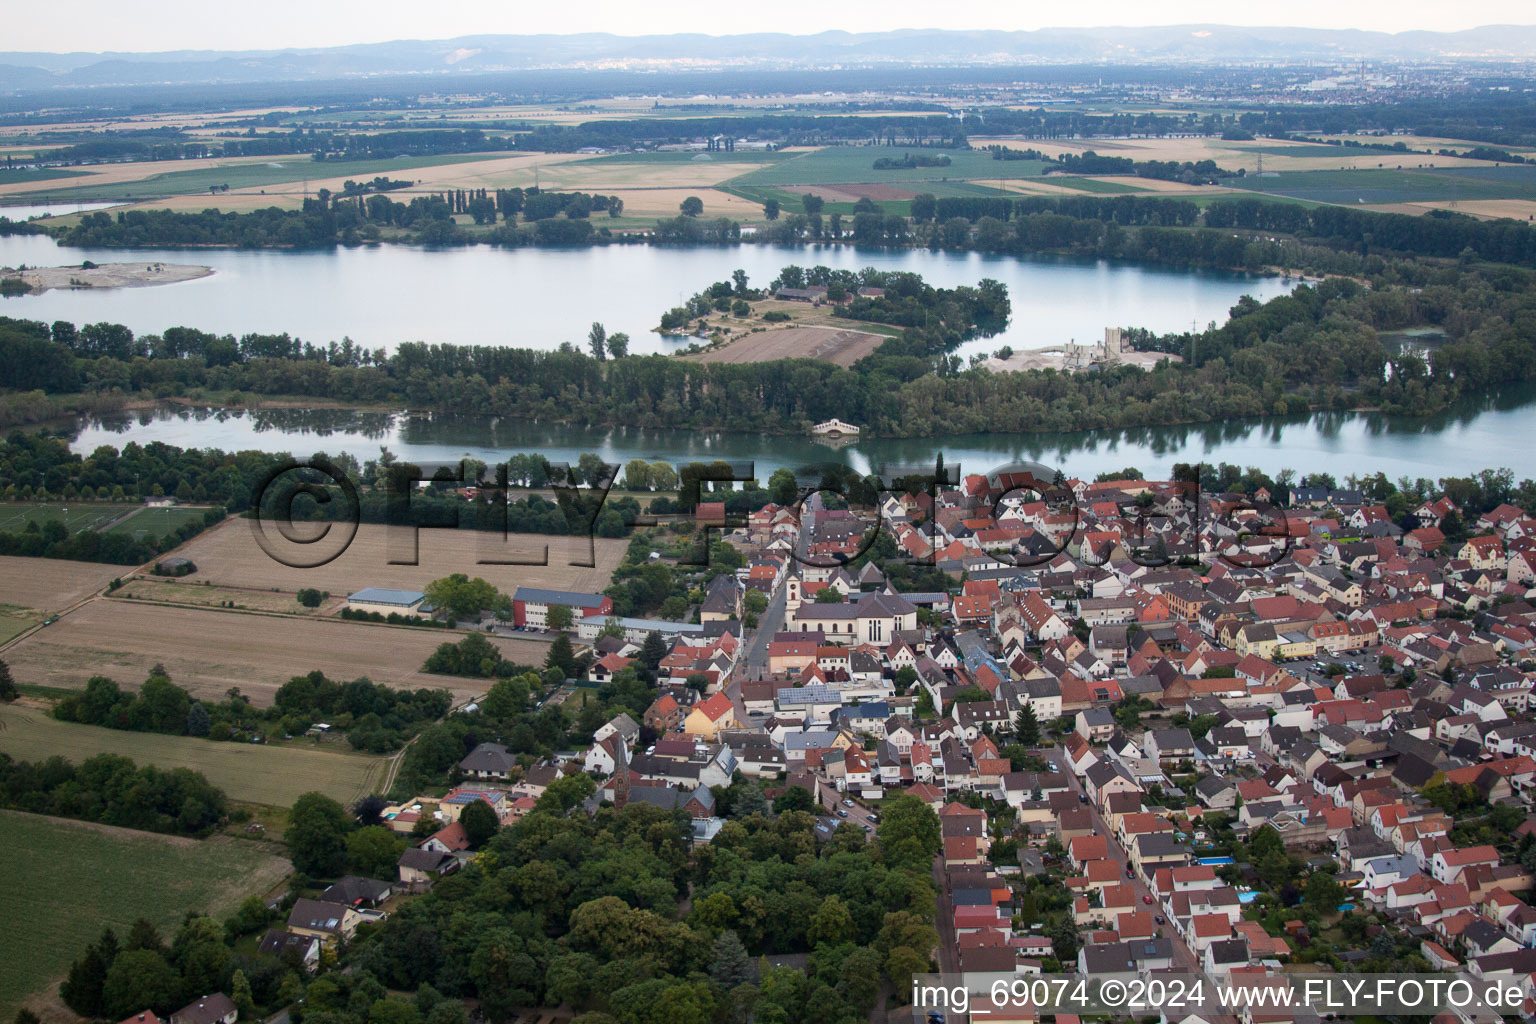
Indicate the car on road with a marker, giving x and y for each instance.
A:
(1147, 900)
(842, 812)
(1082, 798)
(874, 818)
(1130, 872)
(847, 803)
(1159, 919)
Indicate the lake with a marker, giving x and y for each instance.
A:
(382, 295)
(1475, 434)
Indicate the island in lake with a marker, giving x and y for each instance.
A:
(97, 275)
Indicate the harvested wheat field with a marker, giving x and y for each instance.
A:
(827, 343)
(228, 555)
(51, 584)
(116, 174)
(1519, 209)
(210, 651)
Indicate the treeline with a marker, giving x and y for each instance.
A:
(112, 790)
(1439, 233)
(1164, 170)
(911, 161)
(780, 129)
(53, 539)
(373, 717)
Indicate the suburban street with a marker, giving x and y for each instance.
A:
(1184, 959)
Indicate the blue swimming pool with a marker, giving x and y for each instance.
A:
(1215, 861)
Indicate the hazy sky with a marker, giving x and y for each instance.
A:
(94, 25)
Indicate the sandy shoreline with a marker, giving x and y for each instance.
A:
(106, 275)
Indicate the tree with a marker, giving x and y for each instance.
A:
(652, 650)
(1026, 726)
(82, 988)
(317, 836)
(831, 924)
(828, 595)
(618, 344)
(859, 980)
(374, 850)
(783, 486)
(560, 617)
(795, 798)
(480, 823)
(8, 690)
(309, 597)
(1324, 893)
(729, 965)
(771, 209)
(140, 979)
(812, 204)
(462, 597)
(637, 475)
(562, 657)
(692, 206)
(909, 833)
(240, 995)
(1064, 941)
(597, 341)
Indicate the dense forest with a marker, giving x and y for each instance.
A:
(112, 790)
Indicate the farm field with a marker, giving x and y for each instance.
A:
(248, 174)
(835, 164)
(14, 516)
(105, 176)
(18, 175)
(152, 588)
(15, 619)
(209, 651)
(51, 584)
(1394, 186)
(249, 772)
(228, 555)
(843, 347)
(66, 881)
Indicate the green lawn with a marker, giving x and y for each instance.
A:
(66, 881)
(856, 164)
(277, 171)
(157, 522)
(14, 619)
(14, 516)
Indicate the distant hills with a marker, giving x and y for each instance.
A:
(1180, 44)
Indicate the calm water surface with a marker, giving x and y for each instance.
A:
(537, 298)
(1488, 433)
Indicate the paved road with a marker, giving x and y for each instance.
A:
(1183, 957)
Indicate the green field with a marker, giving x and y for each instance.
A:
(1395, 186)
(66, 881)
(255, 773)
(14, 516)
(278, 171)
(856, 164)
(157, 522)
(18, 175)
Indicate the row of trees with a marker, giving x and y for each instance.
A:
(375, 718)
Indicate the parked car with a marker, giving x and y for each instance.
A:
(847, 803)
(1147, 900)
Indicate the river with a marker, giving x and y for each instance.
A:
(1488, 432)
(382, 295)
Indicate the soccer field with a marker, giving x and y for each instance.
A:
(14, 516)
(156, 522)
